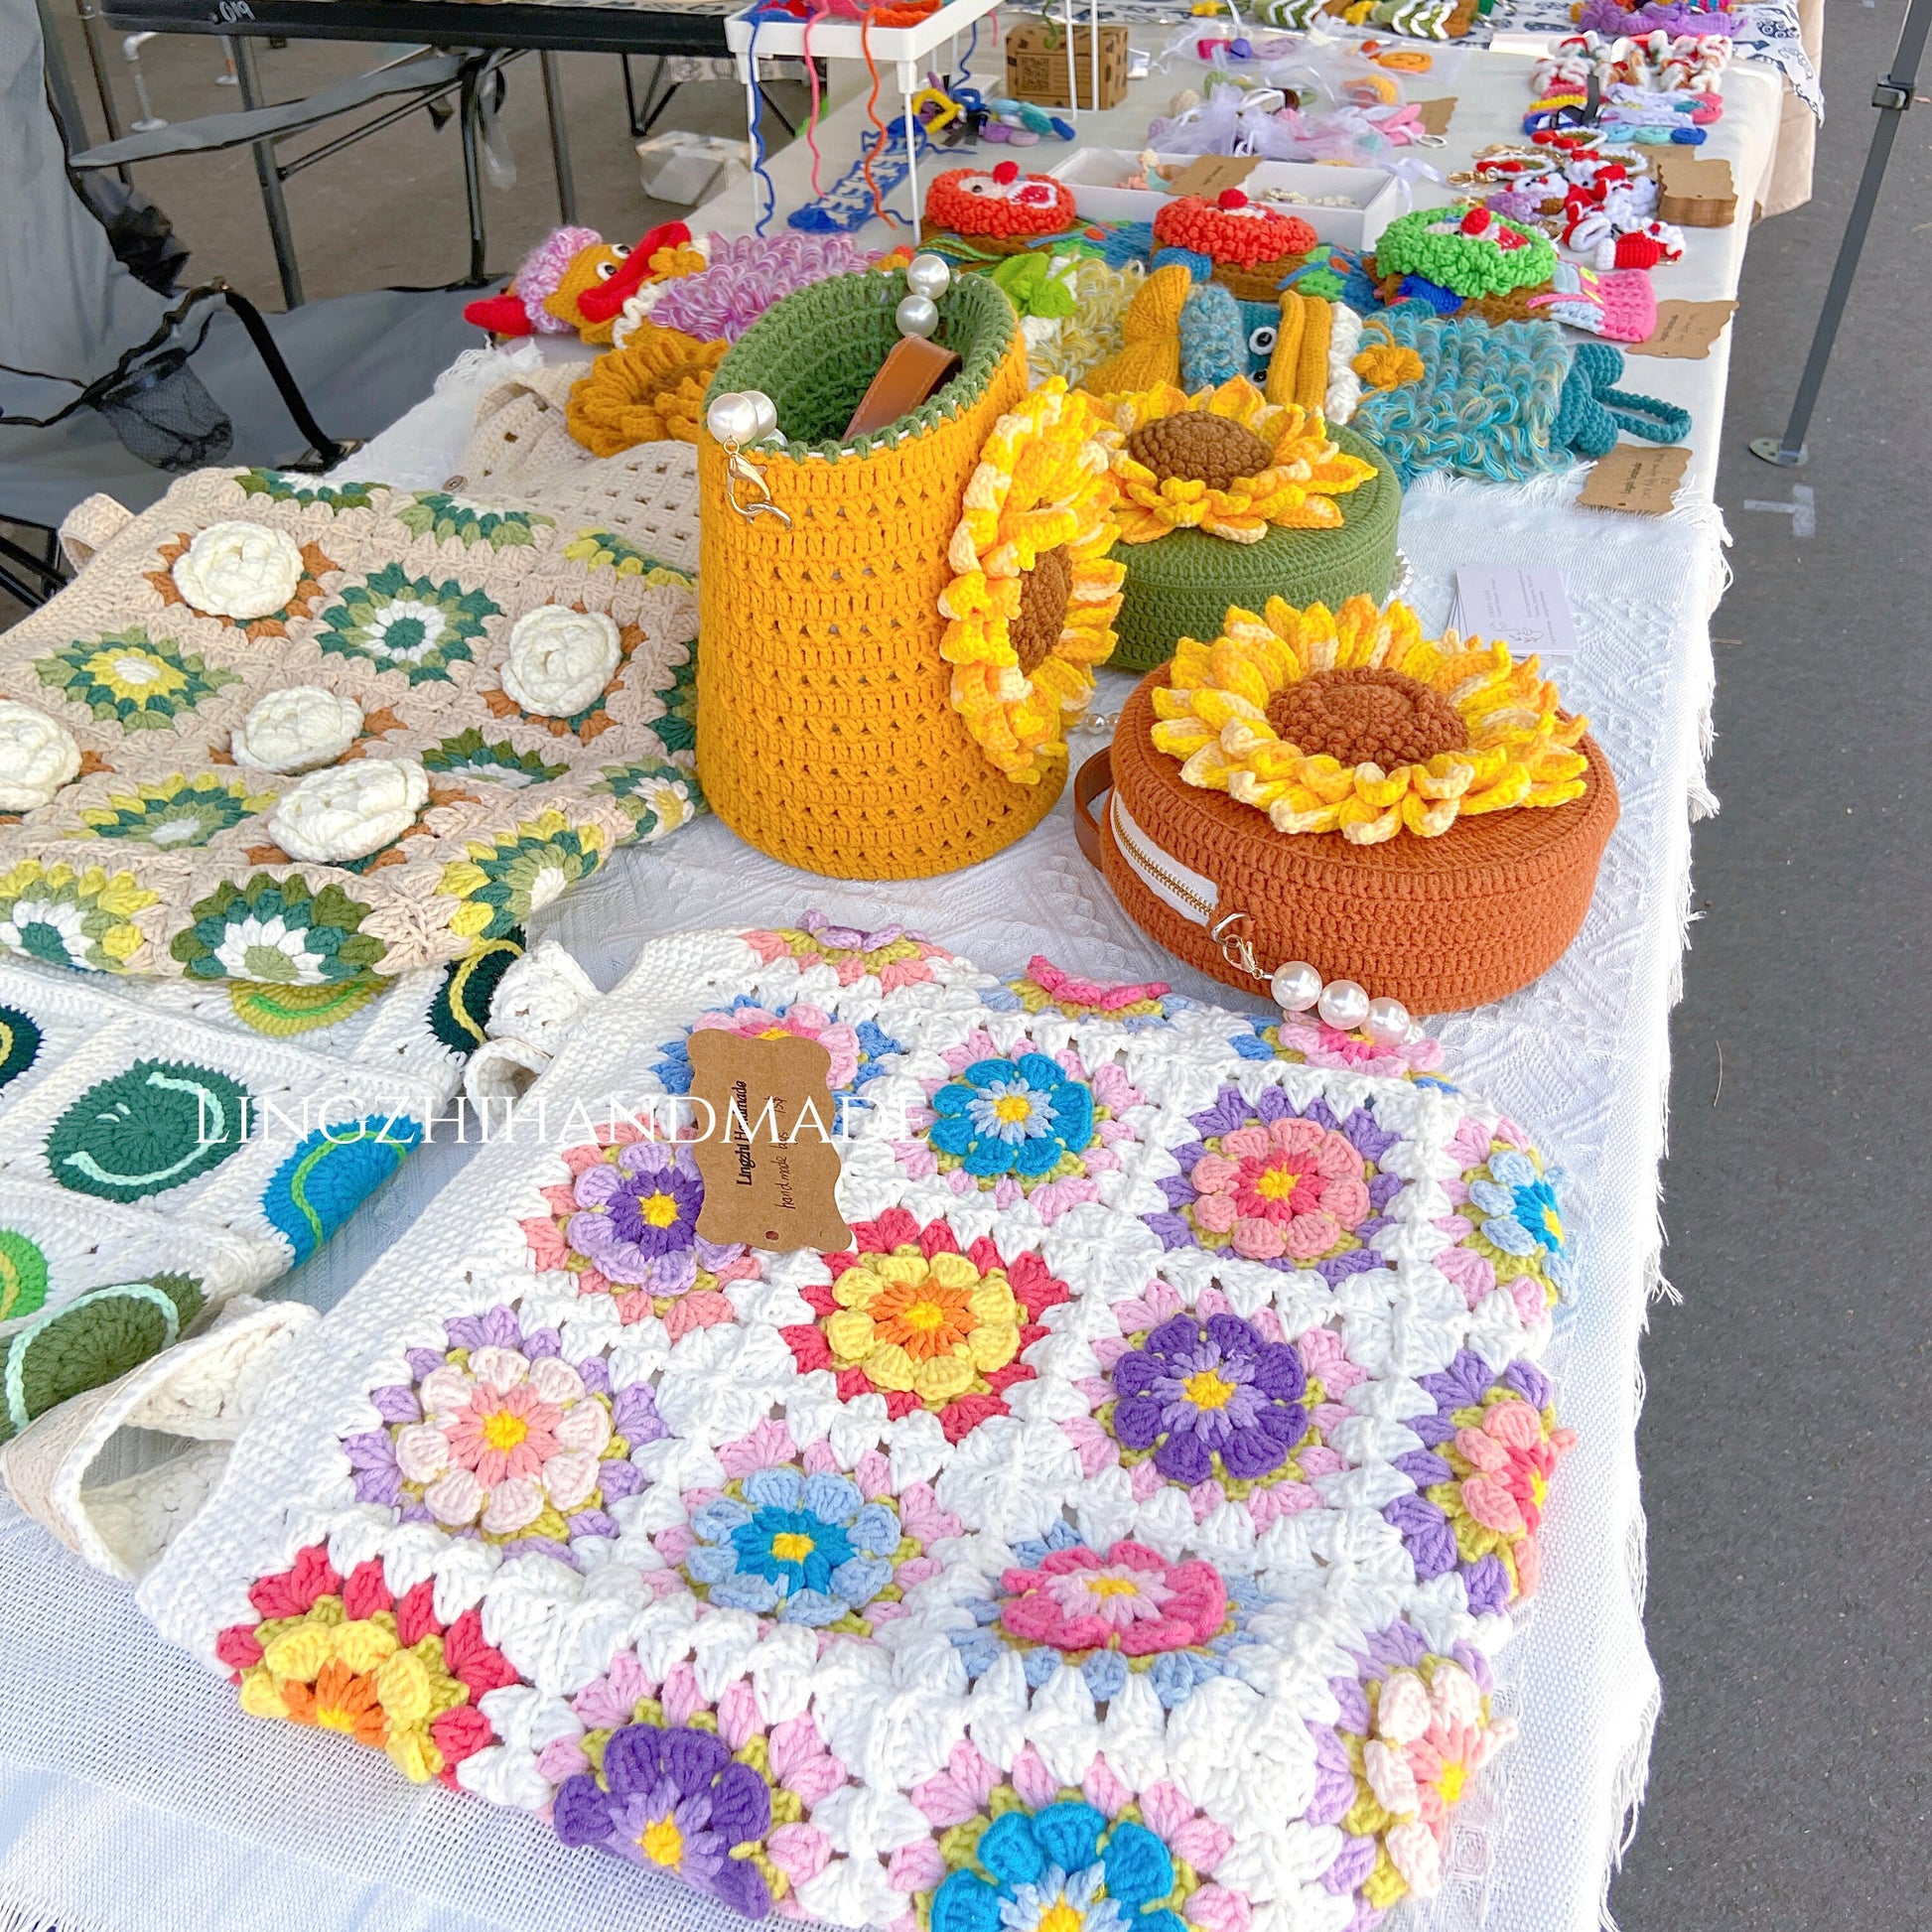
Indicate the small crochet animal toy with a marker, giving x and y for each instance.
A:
(573, 279)
(1004, 212)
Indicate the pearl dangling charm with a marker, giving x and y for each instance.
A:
(917, 314)
(929, 275)
(1296, 987)
(1386, 1022)
(1343, 1004)
(734, 417)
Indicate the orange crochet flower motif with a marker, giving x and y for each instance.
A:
(340, 1699)
(651, 390)
(1228, 462)
(1032, 597)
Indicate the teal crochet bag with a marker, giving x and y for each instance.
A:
(1504, 402)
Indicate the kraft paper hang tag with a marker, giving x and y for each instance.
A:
(1692, 193)
(1212, 172)
(1436, 116)
(1685, 330)
(1636, 476)
(766, 1151)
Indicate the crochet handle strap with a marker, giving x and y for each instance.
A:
(1093, 779)
(89, 525)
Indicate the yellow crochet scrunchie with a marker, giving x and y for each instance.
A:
(650, 391)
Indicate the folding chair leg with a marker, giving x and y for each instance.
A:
(467, 116)
(268, 173)
(553, 100)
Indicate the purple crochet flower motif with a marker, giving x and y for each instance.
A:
(747, 274)
(638, 1217)
(1232, 1112)
(673, 1799)
(380, 1479)
(1194, 1390)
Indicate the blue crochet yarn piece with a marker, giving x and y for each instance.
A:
(331, 1172)
(1197, 265)
(848, 204)
(1261, 324)
(1419, 288)
(1336, 275)
(1486, 405)
(1214, 342)
(1126, 242)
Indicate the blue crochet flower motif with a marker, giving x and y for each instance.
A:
(1020, 1117)
(805, 1549)
(1521, 1212)
(1063, 1868)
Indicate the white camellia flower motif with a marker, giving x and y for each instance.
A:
(36, 756)
(560, 659)
(296, 728)
(239, 570)
(349, 810)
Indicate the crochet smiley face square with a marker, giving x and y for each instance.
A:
(398, 720)
(1122, 1531)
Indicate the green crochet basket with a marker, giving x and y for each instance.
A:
(1180, 585)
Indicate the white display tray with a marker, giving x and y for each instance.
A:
(845, 40)
(1378, 197)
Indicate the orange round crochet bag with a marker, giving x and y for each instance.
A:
(826, 731)
(1438, 923)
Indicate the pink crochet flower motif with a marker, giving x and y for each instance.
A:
(1113, 1095)
(1291, 1187)
(502, 1439)
(1131, 1599)
(633, 1172)
(1431, 1738)
(1048, 985)
(837, 1039)
(893, 955)
(1310, 1037)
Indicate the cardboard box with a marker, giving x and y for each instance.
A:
(1374, 195)
(1037, 64)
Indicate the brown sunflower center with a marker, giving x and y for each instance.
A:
(1044, 595)
(1367, 715)
(1199, 448)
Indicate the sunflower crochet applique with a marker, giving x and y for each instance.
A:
(1349, 721)
(1032, 597)
(1228, 462)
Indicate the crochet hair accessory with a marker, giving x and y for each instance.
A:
(1142, 1492)
(576, 281)
(382, 723)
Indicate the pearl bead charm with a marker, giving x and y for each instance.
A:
(734, 417)
(917, 314)
(1343, 1004)
(1386, 1022)
(929, 275)
(1295, 986)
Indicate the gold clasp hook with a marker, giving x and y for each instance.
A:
(737, 471)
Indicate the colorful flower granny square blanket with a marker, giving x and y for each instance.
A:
(393, 722)
(1116, 1534)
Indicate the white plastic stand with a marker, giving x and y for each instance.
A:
(904, 49)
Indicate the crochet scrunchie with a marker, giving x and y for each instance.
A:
(650, 391)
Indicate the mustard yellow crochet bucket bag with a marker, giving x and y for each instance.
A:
(826, 736)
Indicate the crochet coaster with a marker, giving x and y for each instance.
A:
(166, 1145)
(421, 715)
(1180, 585)
(1120, 1529)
